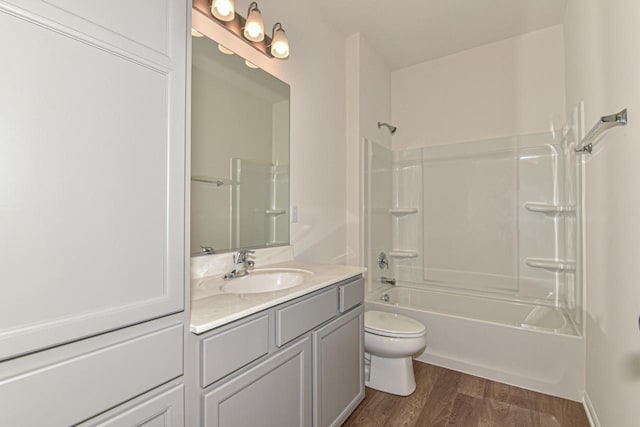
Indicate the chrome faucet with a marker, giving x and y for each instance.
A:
(241, 264)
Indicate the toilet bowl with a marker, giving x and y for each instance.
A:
(390, 341)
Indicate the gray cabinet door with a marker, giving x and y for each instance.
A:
(92, 165)
(154, 409)
(338, 368)
(277, 392)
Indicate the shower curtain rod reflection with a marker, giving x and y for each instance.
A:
(215, 181)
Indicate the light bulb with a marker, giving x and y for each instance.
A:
(224, 10)
(280, 48)
(254, 27)
(196, 33)
(279, 42)
(250, 64)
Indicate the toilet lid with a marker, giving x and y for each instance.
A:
(392, 325)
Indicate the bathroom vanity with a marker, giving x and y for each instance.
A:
(282, 345)
(297, 360)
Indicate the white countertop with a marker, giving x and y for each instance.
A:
(211, 307)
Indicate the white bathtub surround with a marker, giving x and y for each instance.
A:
(212, 307)
(518, 344)
(390, 340)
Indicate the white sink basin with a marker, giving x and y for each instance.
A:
(265, 280)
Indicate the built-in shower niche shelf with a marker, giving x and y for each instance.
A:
(403, 211)
(555, 265)
(403, 254)
(275, 212)
(550, 209)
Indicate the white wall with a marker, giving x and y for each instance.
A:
(368, 97)
(603, 69)
(375, 95)
(511, 87)
(316, 73)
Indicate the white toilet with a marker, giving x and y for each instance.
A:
(390, 341)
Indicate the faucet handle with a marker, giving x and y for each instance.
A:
(242, 256)
(383, 261)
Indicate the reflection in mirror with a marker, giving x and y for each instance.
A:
(239, 153)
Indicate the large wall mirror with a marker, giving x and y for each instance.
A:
(239, 153)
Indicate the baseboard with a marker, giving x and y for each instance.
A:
(591, 412)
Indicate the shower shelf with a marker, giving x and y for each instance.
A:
(550, 209)
(275, 212)
(400, 253)
(555, 265)
(402, 211)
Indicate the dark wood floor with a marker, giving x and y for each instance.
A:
(448, 398)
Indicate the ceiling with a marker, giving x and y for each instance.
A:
(408, 32)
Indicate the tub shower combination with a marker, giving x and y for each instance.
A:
(482, 241)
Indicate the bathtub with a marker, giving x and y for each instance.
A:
(529, 346)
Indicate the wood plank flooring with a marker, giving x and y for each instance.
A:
(448, 398)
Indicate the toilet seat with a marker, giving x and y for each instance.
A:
(392, 325)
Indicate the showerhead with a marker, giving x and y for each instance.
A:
(391, 128)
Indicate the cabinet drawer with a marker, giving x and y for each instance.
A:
(298, 318)
(234, 348)
(351, 294)
(68, 384)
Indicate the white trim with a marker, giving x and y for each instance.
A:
(590, 410)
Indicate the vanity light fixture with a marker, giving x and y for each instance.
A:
(224, 10)
(254, 26)
(279, 42)
(196, 33)
(250, 64)
(251, 30)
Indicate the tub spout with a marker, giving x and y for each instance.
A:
(388, 280)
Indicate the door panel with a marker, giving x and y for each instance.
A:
(91, 171)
